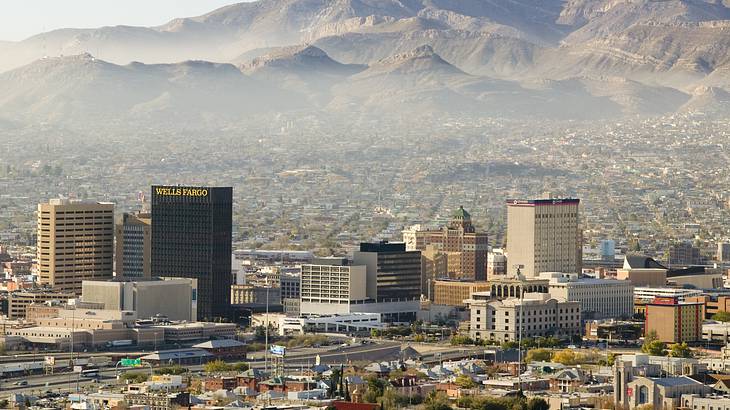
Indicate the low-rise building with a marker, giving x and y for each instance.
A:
(710, 402)
(598, 298)
(19, 301)
(674, 321)
(537, 314)
(183, 332)
(454, 293)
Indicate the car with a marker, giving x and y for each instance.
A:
(21, 383)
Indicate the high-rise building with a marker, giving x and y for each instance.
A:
(543, 235)
(330, 286)
(133, 233)
(75, 243)
(465, 248)
(191, 238)
(723, 251)
(393, 276)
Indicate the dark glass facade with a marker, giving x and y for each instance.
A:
(191, 238)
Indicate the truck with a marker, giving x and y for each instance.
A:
(119, 343)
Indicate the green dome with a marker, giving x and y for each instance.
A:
(461, 214)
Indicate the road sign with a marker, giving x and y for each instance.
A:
(50, 361)
(277, 350)
(131, 362)
(78, 369)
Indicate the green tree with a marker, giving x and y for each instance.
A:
(537, 403)
(538, 355)
(721, 316)
(134, 377)
(437, 401)
(376, 387)
(457, 340)
(653, 346)
(680, 350)
(217, 366)
(464, 381)
(174, 369)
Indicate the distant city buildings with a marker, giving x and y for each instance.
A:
(543, 235)
(75, 243)
(598, 298)
(191, 238)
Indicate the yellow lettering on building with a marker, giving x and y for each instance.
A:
(191, 192)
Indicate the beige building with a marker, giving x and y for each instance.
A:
(75, 243)
(698, 402)
(543, 315)
(543, 235)
(329, 287)
(182, 332)
(255, 295)
(173, 298)
(674, 321)
(599, 298)
(18, 302)
(662, 392)
(133, 235)
(434, 265)
(454, 293)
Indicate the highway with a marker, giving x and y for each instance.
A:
(297, 358)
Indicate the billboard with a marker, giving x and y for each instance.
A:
(277, 350)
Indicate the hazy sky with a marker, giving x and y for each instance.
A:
(20, 19)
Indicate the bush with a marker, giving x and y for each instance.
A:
(461, 340)
(538, 355)
(134, 377)
(175, 370)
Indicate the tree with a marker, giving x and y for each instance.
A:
(334, 382)
(537, 403)
(566, 357)
(465, 382)
(134, 377)
(461, 340)
(538, 355)
(721, 316)
(174, 369)
(437, 401)
(217, 366)
(652, 345)
(680, 350)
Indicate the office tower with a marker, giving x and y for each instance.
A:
(674, 321)
(191, 238)
(329, 286)
(543, 235)
(465, 248)
(608, 250)
(75, 243)
(723, 251)
(393, 276)
(685, 254)
(133, 259)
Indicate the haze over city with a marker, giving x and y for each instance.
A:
(365, 204)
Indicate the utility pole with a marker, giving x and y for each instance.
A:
(521, 324)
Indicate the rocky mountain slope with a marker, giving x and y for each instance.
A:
(570, 58)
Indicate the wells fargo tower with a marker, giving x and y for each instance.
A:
(191, 238)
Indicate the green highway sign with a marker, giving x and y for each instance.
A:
(131, 362)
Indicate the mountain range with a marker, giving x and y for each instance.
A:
(516, 58)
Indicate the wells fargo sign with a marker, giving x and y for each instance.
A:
(178, 191)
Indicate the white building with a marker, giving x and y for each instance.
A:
(543, 316)
(355, 322)
(598, 298)
(329, 287)
(648, 293)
